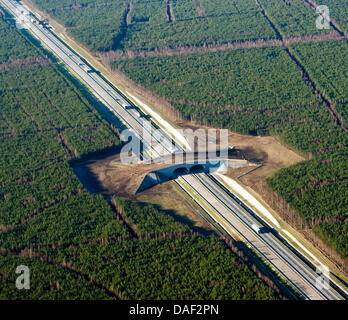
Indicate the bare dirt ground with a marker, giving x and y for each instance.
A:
(107, 176)
(267, 151)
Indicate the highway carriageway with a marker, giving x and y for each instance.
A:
(232, 215)
(227, 212)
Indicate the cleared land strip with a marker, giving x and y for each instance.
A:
(258, 43)
(328, 104)
(129, 7)
(12, 130)
(169, 12)
(126, 21)
(132, 231)
(25, 62)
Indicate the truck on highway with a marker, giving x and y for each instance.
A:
(136, 113)
(124, 104)
(86, 68)
(256, 228)
(172, 150)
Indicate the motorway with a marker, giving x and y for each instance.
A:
(224, 208)
(267, 244)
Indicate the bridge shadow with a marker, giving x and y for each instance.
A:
(254, 155)
(181, 171)
(179, 218)
(160, 176)
(88, 178)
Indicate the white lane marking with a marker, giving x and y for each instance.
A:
(174, 132)
(250, 198)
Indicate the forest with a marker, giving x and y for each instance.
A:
(35, 173)
(148, 220)
(339, 12)
(96, 24)
(318, 190)
(109, 25)
(41, 200)
(342, 109)
(105, 25)
(187, 267)
(81, 218)
(28, 110)
(232, 80)
(291, 94)
(296, 92)
(292, 17)
(326, 67)
(255, 91)
(76, 244)
(48, 282)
